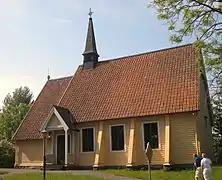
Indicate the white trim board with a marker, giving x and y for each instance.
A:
(54, 128)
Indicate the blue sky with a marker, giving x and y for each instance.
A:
(39, 34)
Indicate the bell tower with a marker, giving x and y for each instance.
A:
(90, 55)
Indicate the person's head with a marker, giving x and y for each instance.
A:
(194, 155)
(204, 155)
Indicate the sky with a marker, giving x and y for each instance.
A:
(37, 35)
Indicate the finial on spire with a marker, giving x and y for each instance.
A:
(48, 77)
(90, 13)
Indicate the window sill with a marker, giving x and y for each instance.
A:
(90, 152)
(121, 151)
(157, 149)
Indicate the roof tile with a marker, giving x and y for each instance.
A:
(160, 82)
(50, 95)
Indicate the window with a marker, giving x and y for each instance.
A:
(150, 134)
(87, 140)
(117, 137)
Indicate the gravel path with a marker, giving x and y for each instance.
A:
(99, 174)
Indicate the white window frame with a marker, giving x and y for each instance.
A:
(158, 133)
(94, 139)
(110, 137)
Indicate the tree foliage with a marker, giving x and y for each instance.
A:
(11, 118)
(15, 108)
(13, 112)
(21, 95)
(200, 18)
(217, 128)
(203, 19)
(7, 154)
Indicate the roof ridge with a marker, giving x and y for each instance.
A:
(61, 78)
(143, 53)
(67, 87)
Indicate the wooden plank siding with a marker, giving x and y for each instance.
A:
(204, 128)
(183, 142)
(158, 154)
(29, 153)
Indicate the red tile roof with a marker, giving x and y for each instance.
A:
(160, 82)
(50, 94)
(152, 83)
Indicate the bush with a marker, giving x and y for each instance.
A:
(7, 154)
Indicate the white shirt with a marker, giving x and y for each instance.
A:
(206, 163)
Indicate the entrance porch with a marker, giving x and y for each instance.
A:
(59, 137)
(56, 150)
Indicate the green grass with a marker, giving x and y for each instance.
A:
(163, 175)
(49, 176)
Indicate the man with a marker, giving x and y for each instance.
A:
(206, 166)
(197, 164)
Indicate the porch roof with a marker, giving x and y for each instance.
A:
(63, 115)
(66, 116)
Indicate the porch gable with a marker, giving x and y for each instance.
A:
(54, 121)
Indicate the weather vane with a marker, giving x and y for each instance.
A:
(90, 13)
(48, 77)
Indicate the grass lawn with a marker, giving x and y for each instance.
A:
(162, 175)
(49, 176)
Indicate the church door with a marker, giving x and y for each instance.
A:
(60, 149)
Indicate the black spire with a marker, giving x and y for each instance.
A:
(90, 54)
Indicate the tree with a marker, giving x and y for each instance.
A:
(217, 128)
(203, 19)
(11, 117)
(200, 18)
(7, 154)
(20, 95)
(15, 108)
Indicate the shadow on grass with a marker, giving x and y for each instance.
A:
(3, 172)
